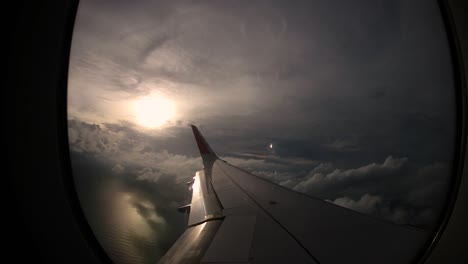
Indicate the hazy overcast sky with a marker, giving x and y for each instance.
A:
(357, 100)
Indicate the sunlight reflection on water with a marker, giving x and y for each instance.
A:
(122, 223)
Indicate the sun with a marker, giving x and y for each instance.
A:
(153, 111)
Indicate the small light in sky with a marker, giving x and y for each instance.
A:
(271, 145)
(153, 110)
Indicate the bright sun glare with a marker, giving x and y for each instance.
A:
(153, 110)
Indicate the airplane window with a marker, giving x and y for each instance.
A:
(351, 103)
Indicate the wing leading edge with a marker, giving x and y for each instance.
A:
(237, 217)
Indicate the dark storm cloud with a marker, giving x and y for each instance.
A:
(282, 71)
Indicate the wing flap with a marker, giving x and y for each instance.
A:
(205, 205)
(191, 246)
(233, 240)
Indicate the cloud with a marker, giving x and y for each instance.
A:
(394, 189)
(366, 204)
(377, 206)
(343, 145)
(154, 156)
(147, 210)
(149, 175)
(129, 150)
(326, 174)
(431, 186)
(118, 169)
(271, 71)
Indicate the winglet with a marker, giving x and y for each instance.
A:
(205, 149)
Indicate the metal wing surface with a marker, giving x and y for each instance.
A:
(237, 217)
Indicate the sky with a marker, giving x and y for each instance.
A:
(355, 99)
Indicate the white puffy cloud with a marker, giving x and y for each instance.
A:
(376, 206)
(325, 173)
(389, 164)
(366, 204)
(127, 149)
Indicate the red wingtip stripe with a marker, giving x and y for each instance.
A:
(204, 149)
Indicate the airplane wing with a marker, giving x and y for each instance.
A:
(237, 217)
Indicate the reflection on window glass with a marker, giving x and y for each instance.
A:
(352, 103)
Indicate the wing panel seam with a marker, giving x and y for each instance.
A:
(273, 218)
